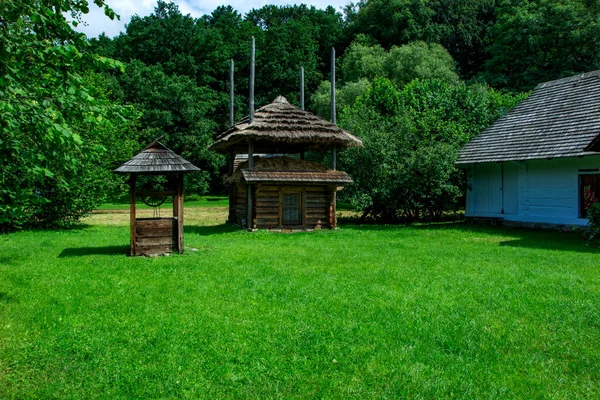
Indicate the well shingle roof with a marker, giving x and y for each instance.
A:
(156, 158)
(282, 123)
(560, 118)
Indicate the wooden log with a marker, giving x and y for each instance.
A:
(270, 199)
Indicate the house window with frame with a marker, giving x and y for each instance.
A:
(291, 209)
(589, 192)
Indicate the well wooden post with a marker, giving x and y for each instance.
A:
(179, 200)
(132, 221)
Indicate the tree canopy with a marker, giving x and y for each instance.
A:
(417, 78)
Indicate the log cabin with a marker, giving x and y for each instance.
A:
(279, 190)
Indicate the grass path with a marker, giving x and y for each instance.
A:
(436, 311)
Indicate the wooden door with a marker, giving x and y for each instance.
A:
(292, 209)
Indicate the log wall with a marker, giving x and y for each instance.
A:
(314, 206)
(240, 204)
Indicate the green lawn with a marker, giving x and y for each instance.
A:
(434, 311)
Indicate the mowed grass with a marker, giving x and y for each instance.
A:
(429, 311)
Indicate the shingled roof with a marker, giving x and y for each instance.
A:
(287, 169)
(282, 123)
(560, 118)
(156, 158)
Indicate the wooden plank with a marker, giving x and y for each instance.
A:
(317, 205)
(317, 200)
(158, 241)
(268, 191)
(268, 196)
(322, 215)
(268, 215)
(263, 221)
(162, 232)
(268, 203)
(155, 223)
(152, 250)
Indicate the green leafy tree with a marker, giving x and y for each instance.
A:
(536, 41)
(51, 115)
(458, 25)
(363, 59)
(411, 140)
(419, 60)
(175, 108)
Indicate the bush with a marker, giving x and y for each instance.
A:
(593, 215)
(411, 140)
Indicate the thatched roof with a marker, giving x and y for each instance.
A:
(282, 124)
(287, 169)
(561, 118)
(156, 158)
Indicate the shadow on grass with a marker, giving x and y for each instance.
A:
(558, 241)
(211, 229)
(94, 251)
(542, 239)
(6, 298)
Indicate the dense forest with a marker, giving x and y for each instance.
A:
(417, 79)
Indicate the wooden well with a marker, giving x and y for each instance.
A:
(160, 235)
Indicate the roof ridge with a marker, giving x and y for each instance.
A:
(573, 78)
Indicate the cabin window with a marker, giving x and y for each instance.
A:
(291, 209)
(589, 192)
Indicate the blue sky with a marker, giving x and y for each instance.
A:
(97, 22)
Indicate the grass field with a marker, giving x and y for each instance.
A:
(426, 311)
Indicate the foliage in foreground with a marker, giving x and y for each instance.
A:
(58, 130)
(439, 311)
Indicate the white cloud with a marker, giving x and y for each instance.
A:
(97, 22)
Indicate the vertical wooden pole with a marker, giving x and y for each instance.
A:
(302, 88)
(249, 210)
(250, 155)
(132, 221)
(180, 244)
(334, 208)
(251, 80)
(280, 208)
(334, 157)
(333, 85)
(303, 207)
(231, 98)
